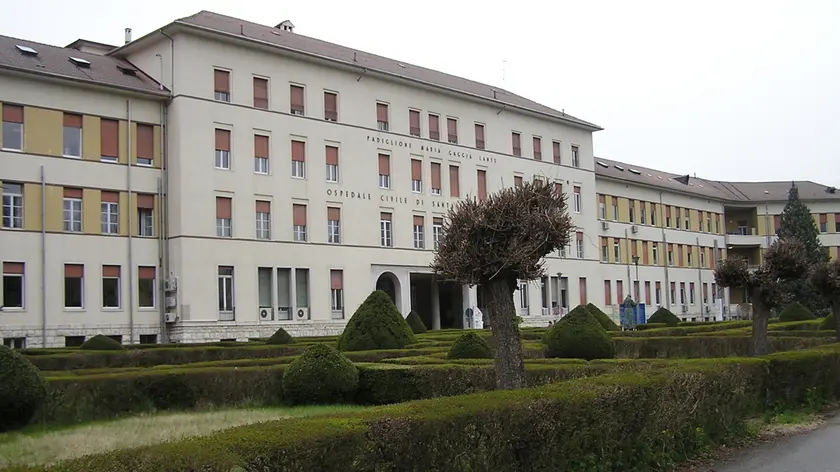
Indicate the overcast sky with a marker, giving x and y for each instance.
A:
(726, 89)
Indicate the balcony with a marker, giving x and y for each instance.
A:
(745, 236)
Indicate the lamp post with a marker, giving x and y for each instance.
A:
(636, 285)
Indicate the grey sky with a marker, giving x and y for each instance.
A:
(734, 90)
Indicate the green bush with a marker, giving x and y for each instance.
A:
(376, 324)
(602, 317)
(664, 315)
(280, 337)
(828, 322)
(579, 335)
(22, 390)
(648, 326)
(470, 346)
(707, 346)
(796, 312)
(100, 342)
(415, 323)
(320, 375)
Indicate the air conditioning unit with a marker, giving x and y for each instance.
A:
(170, 285)
(302, 314)
(685, 308)
(634, 229)
(284, 313)
(170, 317)
(171, 302)
(605, 225)
(266, 313)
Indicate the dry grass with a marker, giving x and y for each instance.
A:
(48, 447)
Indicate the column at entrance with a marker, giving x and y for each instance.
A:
(469, 301)
(435, 305)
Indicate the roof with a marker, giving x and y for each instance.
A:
(349, 56)
(79, 43)
(733, 192)
(55, 61)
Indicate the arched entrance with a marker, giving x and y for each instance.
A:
(390, 284)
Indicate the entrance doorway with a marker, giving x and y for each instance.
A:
(390, 284)
(449, 301)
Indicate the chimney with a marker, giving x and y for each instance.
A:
(127, 35)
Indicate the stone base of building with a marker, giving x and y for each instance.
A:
(211, 331)
(56, 336)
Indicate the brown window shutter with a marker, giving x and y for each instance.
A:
(579, 236)
(263, 206)
(667, 211)
(558, 188)
(435, 175)
(577, 189)
(260, 92)
(111, 197)
(223, 207)
(452, 126)
(74, 271)
(330, 102)
(454, 182)
(619, 291)
(607, 293)
(602, 199)
(517, 180)
(556, 149)
(146, 141)
(13, 113)
(434, 127)
(109, 138)
(416, 169)
(332, 155)
(645, 253)
(13, 268)
(437, 221)
(298, 151)
(582, 283)
(537, 146)
(222, 140)
(418, 220)
(385, 216)
(515, 138)
(823, 219)
(336, 279)
(384, 164)
(146, 273)
(221, 79)
(260, 146)
(299, 215)
(145, 200)
(482, 184)
(111, 271)
(296, 92)
(333, 214)
(479, 132)
(414, 119)
(72, 192)
(382, 112)
(72, 121)
(670, 247)
(633, 247)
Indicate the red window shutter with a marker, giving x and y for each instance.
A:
(336, 279)
(223, 207)
(112, 271)
(72, 192)
(437, 221)
(12, 113)
(13, 268)
(109, 138)
(582, 290)
(74, 271)
(72, 121)
(299, 215)
(332, 155)
(436, 175)
(667, 211)
(517, 180)
(298, 151)
(146, 141)
(452, 126)
(418, 220)
(260, 146)
(110, 197)
(577, 189)
(296, 95)
(222, 140)
(607, 292)
(146, 201)
(579, 237)
(645, 253)
(434, 127)
(414, 122)
(823, 219)
(221, 80)
(384, 164)
(146, 273)
(647, 293)
(416, 169)
(558, 188)
(454, 181)
(260, 92)
(385, 216)
(482, 184)
(382, 112)
(330, 102)
(555, 146)
(263, 206)
(619, 291)
(333, 214)
(537, 148)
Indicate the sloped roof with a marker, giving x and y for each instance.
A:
(55, 61)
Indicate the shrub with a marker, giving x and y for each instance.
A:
(829, 322)
(320, 375)
(602, 317)
(796, 312)
(376, 324)
(22, 390)
(470, 346)
(647, 326)
(415, 323)
(280, 337)
(101, 342)
(579, 335)
(664, 315)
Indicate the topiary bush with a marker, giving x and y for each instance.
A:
(415, 323)
(376, 324)
(280, 337)
(470, 346)
(602, 318)
(796, 312)
(22, 390)
(664, 315)
(321, 375)
(579, 335)
(101, 342)
(829, 322)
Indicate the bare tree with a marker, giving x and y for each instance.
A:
(785, 260)
(825, 279)
(496, 243)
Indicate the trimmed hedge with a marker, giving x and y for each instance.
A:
(796, 312)
(415, 323)
(647, 326)
(22, 390)
(602, 318)
(829, 322)
(661, 329)
(376, 324)
(321, 375)
(706, 346)
(100, 342)
(280, 337)
(579, 335)
(470, 346)
(664, 315)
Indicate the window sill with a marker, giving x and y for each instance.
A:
(260, 173)
(139, 164)
(298, 177)
(12, 228)
(384, 188)
(109, 309)
(11, 149)
(147, 309)
(70, 309)
(68, 156)
(332, 181)
(11, 309)
(222, 168)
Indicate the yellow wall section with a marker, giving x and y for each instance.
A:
(158, 148)
(694, 216)
(91, 138)
(32, 207)
(133, 143)
(123, 159)
(43, 131)
(832, 226)
(55, 208)
(833, 252)
(125, 209)
(623, 210)
(91, 211)
(610, 250)
(660, 215)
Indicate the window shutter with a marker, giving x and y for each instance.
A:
(299, 215)
(336, 279)
(435, 175)
(73, 121)
(263, 206)
(222, 140)
(146, 141)
(416, 169)
(223, 207)
(146, 273)
(75, 271)
(13, 113)
(260, 146)
(333, 214)
(222, 81)
(482, 184)
(384, 164)
(332, 155)
(298, 151)
(146, 201)
(109, 138)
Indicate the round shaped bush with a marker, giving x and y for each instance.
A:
(579, 335)
(101, 342)
(321, 375)
(664, 315)
(470, 346)
(602, 317)
(22, 390)
(829, 322)
(280, 337)
(796, 312)
(415, 323)
(376, 324)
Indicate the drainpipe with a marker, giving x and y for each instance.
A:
(130, 230)
(629, 259)
(700, 281)
(43, 257)
(163, 225)
(665, 248)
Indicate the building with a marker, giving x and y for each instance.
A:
(259, 178)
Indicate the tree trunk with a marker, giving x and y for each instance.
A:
(835, 309)
(761, 317)
(510, 369)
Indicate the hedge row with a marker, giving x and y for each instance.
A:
(706, 346)
(624, 421)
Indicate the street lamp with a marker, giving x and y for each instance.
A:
(636, 285)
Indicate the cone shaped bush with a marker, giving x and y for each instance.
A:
(664, 315)
(470, 346)
(796, 312)
(321, 375)
(829, 322)
(376, 324)
(100, 342)
(280, 337)
(602, 318)
(22, 390)
(415, 323)
(579, 335)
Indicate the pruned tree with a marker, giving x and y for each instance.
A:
(496, 243)
(785, 260)
(825, 279)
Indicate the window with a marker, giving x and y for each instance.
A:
(670, 254)
(642, 219)
(263, 210)
(298, 159)
(146, 287)
(384, 171)
(225, 281)
(691, 293)
(479, 136)
(302, 288)
(434, 127)
(330, 106)
(15, 343)
(703, 257)
(632, 211)
(110, 213)
(334, 225)
(602, 207)
(579, 244)
(110, 286)
(482, 184)
(221, 85)
(73, 210)
(523, 296)
(13, 273)
(682, 293)
(653, 214)
(332, 163)
(673, 293)
(615, 208)
(658, 293)
(577, 199)
(605, 250)
(12, 127)
(296, 105)
(146, 145)
(454, 181)
(382, 117)
(668, 216)
(436, 178)
(607, 293)
(261, 150)
(385, 230)
(414, 123)
(148, 339)
(555, 148)
(823, 223)
(73, 341)
(72, 135)
(679, 212)
(687, 219)
(337, 294)
(582, 284)
(619, 291)
(575, 156)
(688, 255)
(419, 233)
(12, 205)
(223, 217)
(145, 214)
(617, 251)
(452, 130)
(260, 93)
(416, 175)
(709, 222)
(516, 143)
(656, 253)
(437, 231)
(537, 148)
(299, 222)
(109, 137)
(264, 283)
(74, 285)
(517, 181)
(222, 149)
